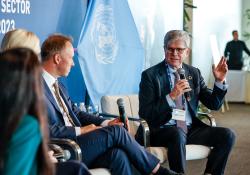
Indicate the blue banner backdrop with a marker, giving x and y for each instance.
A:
(44, 18)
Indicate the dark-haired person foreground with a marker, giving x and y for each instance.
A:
(104, 143)
(172, 118)
(23, 38)
(22, 119)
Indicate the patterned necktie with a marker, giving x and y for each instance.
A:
(60, 101)
(179, 105)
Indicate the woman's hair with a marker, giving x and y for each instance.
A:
(21, 38)
(21, 93)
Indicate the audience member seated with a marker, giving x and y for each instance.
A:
(104, 143)
(23, 38)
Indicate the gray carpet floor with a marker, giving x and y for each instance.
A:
(238, 119)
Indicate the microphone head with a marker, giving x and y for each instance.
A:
(181, 71)
(67, 154)
(120, 102)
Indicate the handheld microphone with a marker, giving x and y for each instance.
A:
(181, 72)
(122, 113)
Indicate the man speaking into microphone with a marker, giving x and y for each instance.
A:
(168, 100)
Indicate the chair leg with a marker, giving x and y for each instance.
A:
(223, 108)
(227, 106)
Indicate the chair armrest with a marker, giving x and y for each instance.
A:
(59, 153)
(72, 146)
(209, 117)
(146, 133)
(143, 124)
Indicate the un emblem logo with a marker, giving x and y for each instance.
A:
(103, 34)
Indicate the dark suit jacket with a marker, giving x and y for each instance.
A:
(155, 85)
(57, 126)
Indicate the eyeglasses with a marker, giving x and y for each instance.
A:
(177, 50)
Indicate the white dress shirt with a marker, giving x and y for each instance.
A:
(50, 80)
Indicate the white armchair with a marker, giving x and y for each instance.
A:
(131, 105)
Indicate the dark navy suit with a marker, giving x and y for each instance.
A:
(72, 167)
(154, 108)
(111, 147)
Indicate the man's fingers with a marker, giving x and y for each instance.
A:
(89, 128)
(120, 124)
(221, 60)
(93, 128)
(116, 122)
(187, 90)
(224, 60)
(213, 67)
(182, 84)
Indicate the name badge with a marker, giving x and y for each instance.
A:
(178, 114)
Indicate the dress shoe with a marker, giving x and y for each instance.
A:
(165, 171)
